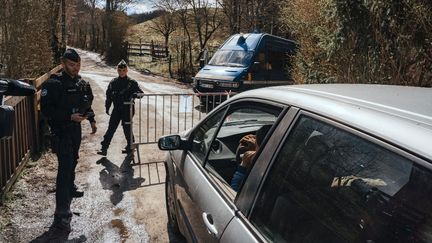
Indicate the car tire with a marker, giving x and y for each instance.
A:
(170, 207)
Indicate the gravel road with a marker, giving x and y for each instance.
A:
(122, 202)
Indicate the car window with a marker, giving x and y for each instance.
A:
(328, 185)
(203, 135)
(232, 152)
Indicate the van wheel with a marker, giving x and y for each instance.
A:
(170, 206)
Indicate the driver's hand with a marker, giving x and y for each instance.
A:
(248, 142)
(248, 156)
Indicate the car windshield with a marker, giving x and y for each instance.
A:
(231, 58)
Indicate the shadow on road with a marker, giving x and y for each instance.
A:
(46, 237)
(118, 179)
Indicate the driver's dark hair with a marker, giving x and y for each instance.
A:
(261, 133)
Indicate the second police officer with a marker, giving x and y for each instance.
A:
(120, 90)
(66, 101)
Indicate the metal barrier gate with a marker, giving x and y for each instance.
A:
(158, 115)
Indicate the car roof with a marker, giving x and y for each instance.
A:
(401, 115)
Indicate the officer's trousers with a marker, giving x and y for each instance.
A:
(67, 153)
(118, 115)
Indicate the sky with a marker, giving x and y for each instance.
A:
(140, 7)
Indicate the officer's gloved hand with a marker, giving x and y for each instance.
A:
(107, 111)
(137, 95)
(77, 117)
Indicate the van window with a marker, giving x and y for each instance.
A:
(328, 185)
(231, 58)
(278, 64)
(274, 62)
(264, 67)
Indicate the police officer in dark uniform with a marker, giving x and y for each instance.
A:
(66, 101)
(120, 90)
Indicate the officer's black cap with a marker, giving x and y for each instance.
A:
(122, 64)
(72, 55)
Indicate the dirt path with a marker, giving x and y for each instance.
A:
(122, 203)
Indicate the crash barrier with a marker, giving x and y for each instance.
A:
(157, 115)
(154, 172)
(15, 150)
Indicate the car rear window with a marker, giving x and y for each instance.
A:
(329, 185)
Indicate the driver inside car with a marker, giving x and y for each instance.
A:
(248, 146)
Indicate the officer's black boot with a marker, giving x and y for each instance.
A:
(127, 150)
(103, 151)
(75, 193)
(58, 232)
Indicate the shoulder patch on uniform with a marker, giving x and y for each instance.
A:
(44, 92)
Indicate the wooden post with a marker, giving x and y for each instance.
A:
(35, 121)
(126, 46)
(140, 48)
(166, 51)
(152, 51)
(169, 66)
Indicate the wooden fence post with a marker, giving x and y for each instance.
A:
(126, 50)
(169, 66)
(140, 47)
(152, 51)
(35, 120)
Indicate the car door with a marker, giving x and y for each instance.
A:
(240, 229)
(331, 183)
(202, 186)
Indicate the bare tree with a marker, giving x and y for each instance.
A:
(4, 31)
(25, 49)
(54, 20)
(249, 15)
(232, 9)
(115, 25)
(206, 21)
(92, 5)
(165, 25)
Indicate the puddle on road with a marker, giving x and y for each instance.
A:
(123, 231)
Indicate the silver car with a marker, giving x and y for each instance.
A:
(308, 163)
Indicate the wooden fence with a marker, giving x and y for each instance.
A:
(152, 49)
(15, 151)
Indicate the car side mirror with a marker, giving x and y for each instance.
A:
(172, 142)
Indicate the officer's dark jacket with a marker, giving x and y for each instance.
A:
(61, 96)
(121, 90)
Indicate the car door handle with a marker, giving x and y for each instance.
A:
(208, 220)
